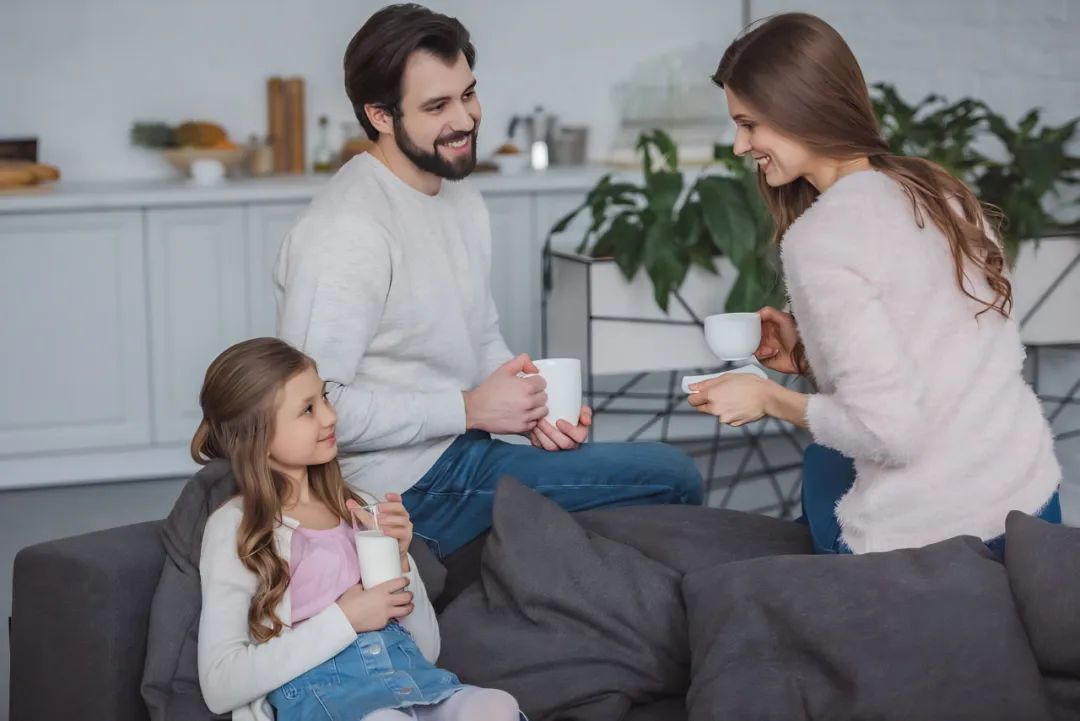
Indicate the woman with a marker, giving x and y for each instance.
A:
(900, 312)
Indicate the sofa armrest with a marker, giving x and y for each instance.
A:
(80, 609)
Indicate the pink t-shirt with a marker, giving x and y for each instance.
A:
(322, 566)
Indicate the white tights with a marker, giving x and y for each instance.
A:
(469, 704)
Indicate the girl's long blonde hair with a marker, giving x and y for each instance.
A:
(799, 74)
(239, 399)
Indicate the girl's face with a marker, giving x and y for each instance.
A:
(303, 424)
(781, 158)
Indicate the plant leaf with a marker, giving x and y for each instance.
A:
(628, 242)
(727, 216)
(664, 188)
(666, 267)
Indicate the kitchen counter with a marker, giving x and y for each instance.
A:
(70, 196)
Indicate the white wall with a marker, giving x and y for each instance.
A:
(78, 72)
(1013, 54)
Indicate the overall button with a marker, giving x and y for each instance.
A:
(375, 650)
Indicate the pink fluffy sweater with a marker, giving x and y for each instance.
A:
(929, 400)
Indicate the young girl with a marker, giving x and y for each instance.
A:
(285, 625)
(903, 306)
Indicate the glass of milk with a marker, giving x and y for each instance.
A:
(379, 554)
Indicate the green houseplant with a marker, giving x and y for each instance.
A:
(1031, 164)
(669, 223)
(666, 225)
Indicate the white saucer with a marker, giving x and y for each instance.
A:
(753, 369)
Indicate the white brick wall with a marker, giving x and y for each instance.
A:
(1013, 54)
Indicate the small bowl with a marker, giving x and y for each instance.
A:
(733, 336)
(182, 158)
(511, 163)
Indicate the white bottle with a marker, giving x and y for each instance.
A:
(538, 151)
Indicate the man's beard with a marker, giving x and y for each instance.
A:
(432, 162)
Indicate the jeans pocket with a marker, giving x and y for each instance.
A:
(432, 543)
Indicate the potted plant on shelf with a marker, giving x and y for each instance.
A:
(706, 242)
(656, 257)
(1028, 167)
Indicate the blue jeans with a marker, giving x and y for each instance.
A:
(451, 504)
(378, 670)
(827, 475)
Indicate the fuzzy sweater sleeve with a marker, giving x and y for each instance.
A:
(872, 408)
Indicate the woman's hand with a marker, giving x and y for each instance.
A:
(372, 609)
(393, 521)
(779, 337)
(735, 398)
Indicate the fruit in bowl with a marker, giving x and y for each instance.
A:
(190, 141)
(182, 158)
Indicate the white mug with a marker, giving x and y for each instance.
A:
(207, 171)
(563, 377)
(733, 336)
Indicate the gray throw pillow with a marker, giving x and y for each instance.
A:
(928, 633)
(1043, 562)
(574, 625)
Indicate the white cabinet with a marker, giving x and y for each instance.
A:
(266, 228)
(515, 271)
(198, 284)
(73, 364)
(110, 315)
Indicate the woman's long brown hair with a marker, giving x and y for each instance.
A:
(797, 72)
(239, 399)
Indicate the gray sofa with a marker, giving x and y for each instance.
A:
(79, 617)
(638, 615)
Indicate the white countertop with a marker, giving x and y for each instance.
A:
(64, 196)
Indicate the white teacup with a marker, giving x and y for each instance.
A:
(563, 378)
(733, 336)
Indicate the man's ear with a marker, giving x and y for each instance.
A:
(380, 117)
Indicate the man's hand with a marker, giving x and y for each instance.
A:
(562, 436)
(505, 402)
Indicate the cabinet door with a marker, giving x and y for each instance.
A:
(198, 306)
(267, 226)
(515, 271)
(73, 365)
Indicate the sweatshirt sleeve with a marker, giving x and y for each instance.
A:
(336, 281)
(494, 351)
(234, 671)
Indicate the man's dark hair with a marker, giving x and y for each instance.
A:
(376, 56)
